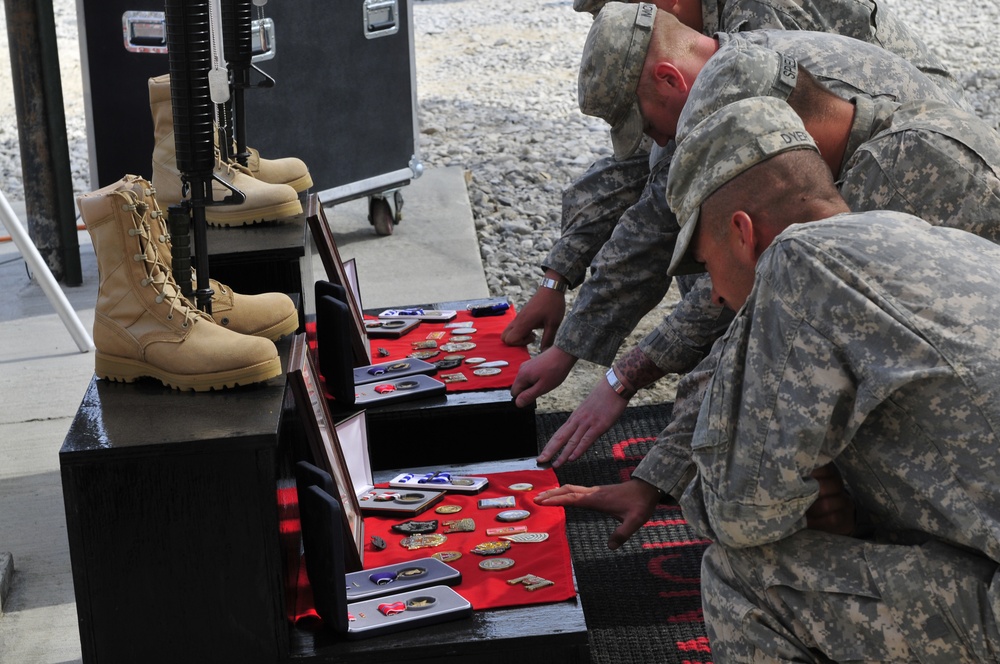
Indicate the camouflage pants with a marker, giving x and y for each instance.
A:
(815, 597)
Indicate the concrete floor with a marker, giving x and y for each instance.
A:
(43, 376)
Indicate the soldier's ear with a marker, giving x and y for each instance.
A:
(669, 79)
(744, 236)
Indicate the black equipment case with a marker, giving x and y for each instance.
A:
(343, 99)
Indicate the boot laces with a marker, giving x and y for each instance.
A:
(158, 275)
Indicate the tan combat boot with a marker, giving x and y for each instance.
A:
(268, 315)
(143, 326)
(286, 170)
(264, 201)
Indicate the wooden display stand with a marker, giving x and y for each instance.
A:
(172, 523)
(172, 520)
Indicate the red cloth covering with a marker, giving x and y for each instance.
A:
(485, 589)
(488, 589)
(486, 338)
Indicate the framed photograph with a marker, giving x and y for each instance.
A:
(321, 434)
(337, 273)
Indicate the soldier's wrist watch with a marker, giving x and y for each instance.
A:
(617, 385)
(553, 284)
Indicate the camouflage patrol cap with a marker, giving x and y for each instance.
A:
(613, 57)
(590, 6)
(737, 71)
(724, 145)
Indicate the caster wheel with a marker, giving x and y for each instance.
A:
(380, 216)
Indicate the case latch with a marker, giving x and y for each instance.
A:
(146, 32)
(381, 18)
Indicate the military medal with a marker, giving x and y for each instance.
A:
(410, 573)
(391, 609)
(418, 603)
(410, 498)
(424, 354)
(406, 384)
(457, 377)
(446, 364)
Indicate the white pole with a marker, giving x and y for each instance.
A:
(45, 279)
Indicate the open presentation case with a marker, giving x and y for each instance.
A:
(323, 543)
(352, 434)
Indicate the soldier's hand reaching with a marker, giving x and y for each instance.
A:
(541, 374)
(545, 311)
(593, 417)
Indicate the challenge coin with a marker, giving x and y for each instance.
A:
(451, 347)
(496, 563)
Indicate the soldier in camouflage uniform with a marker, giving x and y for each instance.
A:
(905, 157)
(925, 158)
(676, 346)
(593, 204)
(866, 340)
(863, 354)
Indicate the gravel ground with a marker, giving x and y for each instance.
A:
(496, 81)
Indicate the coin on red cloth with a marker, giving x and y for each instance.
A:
(457, 347)
(448, 509)
(486, 372)
(424, 354)
(496, 563)
(513, 515)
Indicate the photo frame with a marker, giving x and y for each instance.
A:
(336, 273)
(321, 434)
